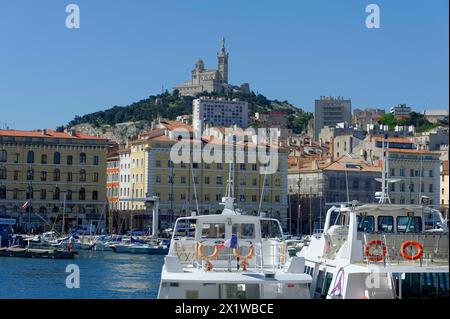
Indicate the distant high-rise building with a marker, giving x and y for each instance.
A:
(330, 111)
(218, 112)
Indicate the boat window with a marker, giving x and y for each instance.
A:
(409, 224)
(244, 231)
(270, 229)
(328, 279)
(424, 285)
(319, 282)
(213, 230)
(366, 223)
(385, 224)
(334, 218)
(185, 228)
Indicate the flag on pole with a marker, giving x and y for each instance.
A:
(27, 203)
(230, 242)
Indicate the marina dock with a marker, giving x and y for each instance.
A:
(37, 253)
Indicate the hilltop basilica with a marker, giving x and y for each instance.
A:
(211, 80)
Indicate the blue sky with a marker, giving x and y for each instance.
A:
(288, 50)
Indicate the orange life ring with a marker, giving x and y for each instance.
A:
(247, 257)
(371, 243)
(416, 245)
(200, 253)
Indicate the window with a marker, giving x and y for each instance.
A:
(82, 194)
(44, 159)
(366, 223)
(183, 179)
(244, 231)
(158, 163)
(402, 187)
(16, 175)
(30, 193)
(430, 188)
(411, 187)
(392, 171)
(242, 198)
(242, 167)
(95, 160)
(30, 174)
(69, 176)
(30, 157)
(16, 194)
(277, 198)
(3, 173)
(402, 171)
(95, 177)
(219, 165)
(207, 180)
(385, 223)
(43, 194)
(95, 195)
(207, 198)
(56, 175)
(82, 158)
(254, 167)
(392, 187)
(2, 192)
(57, 158)
(3, 156)
(43, 176)
(409, 224)
(69, 195)
(56, 193)
(411, 173)
(158, 179)
(219, 180)
(254, 198)
(82, 175)
(213, 230)
(430, 173)
(69, 159)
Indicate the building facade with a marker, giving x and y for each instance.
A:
(218, 112)
(50, 178)
(329, 111)
(419, 174)
(186, 187)
(320, 182)
(444, 188)
(112, 178)
(400, 110)
(211, 80)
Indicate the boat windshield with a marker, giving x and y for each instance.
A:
(270, 228)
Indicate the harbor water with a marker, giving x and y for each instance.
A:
(103, 275)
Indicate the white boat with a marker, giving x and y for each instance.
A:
(200, 265)
(379, 251)
(139, 248)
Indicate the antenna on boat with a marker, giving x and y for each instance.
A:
(195, 188)
(383, 196)
(262, 190)
(228, 199)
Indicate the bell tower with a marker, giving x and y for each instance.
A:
(222, 57)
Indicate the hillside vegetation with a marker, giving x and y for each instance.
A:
(169, 106)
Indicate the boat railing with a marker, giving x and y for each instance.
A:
(261, 256)
(435, 248)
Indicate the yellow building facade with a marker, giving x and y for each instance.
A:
(186, 187)
(50, 179)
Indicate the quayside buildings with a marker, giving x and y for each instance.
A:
(52, 179)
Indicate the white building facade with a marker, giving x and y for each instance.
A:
(218, 112)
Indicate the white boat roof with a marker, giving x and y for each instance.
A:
(214, 277)
(390, 208)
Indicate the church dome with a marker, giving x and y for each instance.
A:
(199, 64)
